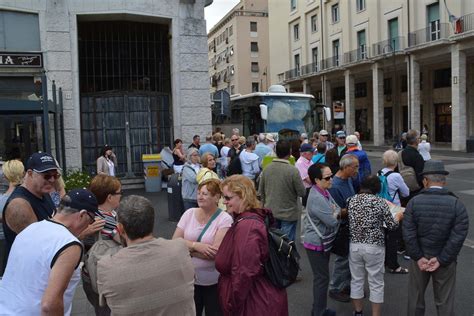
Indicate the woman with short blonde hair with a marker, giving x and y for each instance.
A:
(208, 162)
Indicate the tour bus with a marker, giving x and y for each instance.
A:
(285, 115)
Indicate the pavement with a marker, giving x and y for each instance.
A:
(461, 182)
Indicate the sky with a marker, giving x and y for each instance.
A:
(217, 10)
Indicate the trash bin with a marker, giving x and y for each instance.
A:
(152, 170)
(175, 199)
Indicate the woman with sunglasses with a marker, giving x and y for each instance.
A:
(320, 227)
(108, 191)
(243, 287)
(203, 229)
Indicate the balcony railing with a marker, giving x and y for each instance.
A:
(292, 73)
(434, 32)
(356, 55)
(310, 68)
(331, 62)
(388, 46)
(464, 24)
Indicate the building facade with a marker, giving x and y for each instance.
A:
(384, 66)
(238, 49)
(133, 75)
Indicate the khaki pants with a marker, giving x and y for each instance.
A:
(444, 283)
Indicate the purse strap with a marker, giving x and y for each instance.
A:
(213, 217)
(314, 226)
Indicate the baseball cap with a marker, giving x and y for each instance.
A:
(306, 148)
(81, 199)
(270, 137)
(340, 134)
(352, 140)
(41, 162)
(323, 132)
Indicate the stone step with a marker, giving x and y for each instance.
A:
(132, 183)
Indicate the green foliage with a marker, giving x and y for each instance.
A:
(76, 179)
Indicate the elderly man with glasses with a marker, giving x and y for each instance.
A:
(31, 202)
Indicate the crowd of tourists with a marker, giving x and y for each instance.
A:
(233, 190)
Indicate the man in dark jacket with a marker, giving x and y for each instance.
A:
(412, 158)
(435, 226)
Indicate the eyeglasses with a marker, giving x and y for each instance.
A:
(92, 218)
(228, 198)
(234, 139)
(117, 193)
(342, 137)
(49, 176)
(328, 178)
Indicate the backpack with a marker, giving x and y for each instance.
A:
(235, 165)
(384, 190)
(282, 266)
(100, 249)
(408, 174)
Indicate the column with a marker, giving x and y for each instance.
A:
(414, 95)
(458, 97)
(350, 102)
(377, 81)
(306, 87)
(327, 99)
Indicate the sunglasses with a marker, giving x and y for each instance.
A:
(48, 177)
(228, 198)
(343, 137)
(92, 218)
(328, 178)
(234, 139)
(117, 193)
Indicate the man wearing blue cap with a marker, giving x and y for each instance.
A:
(435, 226)
(43, 268)
(31, 202)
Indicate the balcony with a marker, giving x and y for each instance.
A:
(331, 62)
(310, 68)
(356, 55)
(292, 73)
(395, 44)
(435, 31)
(464, 24)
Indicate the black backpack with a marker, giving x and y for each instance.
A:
(235, 166)
(283, 265)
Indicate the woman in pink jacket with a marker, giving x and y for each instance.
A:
(243, 287)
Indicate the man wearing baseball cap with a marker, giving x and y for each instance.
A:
(43, 269)
(324, 138)
(30, 202)
(435, 226)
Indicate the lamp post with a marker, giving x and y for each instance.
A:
(392, 46)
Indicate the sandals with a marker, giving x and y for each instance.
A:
(399, 270)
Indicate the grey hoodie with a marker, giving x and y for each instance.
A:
(189, 183)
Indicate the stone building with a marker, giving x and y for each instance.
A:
(385, 66)
(133, 75)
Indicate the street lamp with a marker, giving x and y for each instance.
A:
(392, 46)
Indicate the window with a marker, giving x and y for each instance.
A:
(442, 78)
(360, 90)
(360, 4)
(297, 64)
(335, 13)
(314, 59)
(404, 84)
(433, 21)
(255, 87)
(314, 23)
(253, 26)
(254, 46)
(387, 86)
(231, 30)
(335, 52)
(393, 33)
(19, 31)
(292, 5)
(361, 51)
(296, 32)
(339, 93)
(254, 67)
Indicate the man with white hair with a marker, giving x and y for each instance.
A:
(262, 149)
(364, 163)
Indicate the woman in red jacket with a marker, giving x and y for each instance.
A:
(243, 287)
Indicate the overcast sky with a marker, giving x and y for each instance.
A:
(217, 10)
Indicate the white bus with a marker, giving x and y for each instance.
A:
(286, 115)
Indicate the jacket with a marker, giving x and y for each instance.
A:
(250, 164)
(364, 166)
(103, 167)
(189, 183)
(279, 187)
(323, 213)
(435, 225)
(243, 287)
(411, 157)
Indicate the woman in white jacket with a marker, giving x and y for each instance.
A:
(424, 147)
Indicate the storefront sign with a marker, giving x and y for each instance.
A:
(338, 109)
(34, 60)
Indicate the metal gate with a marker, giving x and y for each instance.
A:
(132, 123)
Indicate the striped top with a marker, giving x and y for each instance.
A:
(109, 230)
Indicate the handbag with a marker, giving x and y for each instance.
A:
(340, 245)
(326, 241)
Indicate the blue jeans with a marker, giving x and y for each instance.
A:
(341, 275)
(289, 228)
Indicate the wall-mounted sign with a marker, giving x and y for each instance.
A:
(338, 109)
(22, 60)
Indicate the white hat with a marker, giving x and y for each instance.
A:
(323, 132)
(269, 137)
(352, 140)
